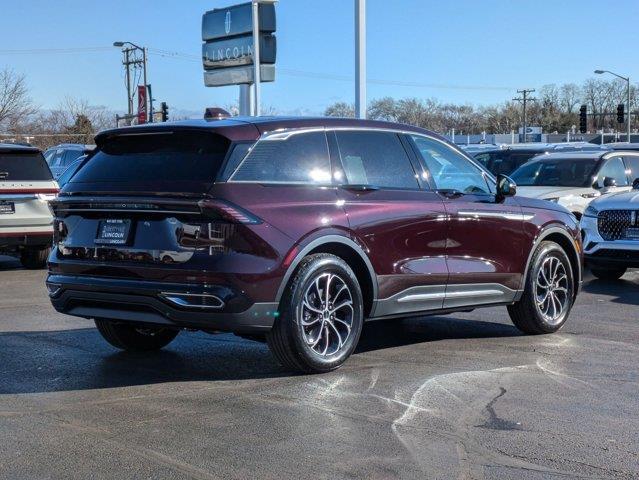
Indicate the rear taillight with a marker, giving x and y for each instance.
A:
(227, 211)
(60, 231)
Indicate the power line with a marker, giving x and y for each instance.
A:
(284, 71)
(38, 51)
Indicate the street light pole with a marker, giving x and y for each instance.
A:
(360, 58)
(627, 79)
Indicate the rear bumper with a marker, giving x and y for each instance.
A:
(149, 302)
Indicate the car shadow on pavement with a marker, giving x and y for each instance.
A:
(65, 360)
(623, 291)
(406, 331)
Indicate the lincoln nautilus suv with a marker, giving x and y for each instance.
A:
(296, 232)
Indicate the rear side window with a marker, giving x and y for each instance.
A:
(287, 158)
(375, 158)
(170, 156)
(23, 167)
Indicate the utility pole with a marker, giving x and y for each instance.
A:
(132, 59)
(129, 97)
(525, 99)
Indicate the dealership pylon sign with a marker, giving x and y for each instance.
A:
(239, 46)
(142, 114)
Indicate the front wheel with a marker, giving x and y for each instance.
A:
(135, 338)
(549, 292)
(321, 316)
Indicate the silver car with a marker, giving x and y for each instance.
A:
(26, 186)
(610, 230)
(61, 156)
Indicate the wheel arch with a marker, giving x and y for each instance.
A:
(351, 253)
(565, 240)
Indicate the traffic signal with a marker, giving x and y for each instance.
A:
(164, 109)
(620, 116)
(583, 119)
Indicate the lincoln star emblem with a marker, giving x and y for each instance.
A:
(227, 22)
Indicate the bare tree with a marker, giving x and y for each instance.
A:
(15, 103)
(340, 109)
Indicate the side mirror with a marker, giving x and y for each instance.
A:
(506, 187)
(635, 184)
(609, 182)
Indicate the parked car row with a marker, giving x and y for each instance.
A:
(298, 231)
(505, 159)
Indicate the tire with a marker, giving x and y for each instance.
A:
(608, 273)
(133, 338)
(34, 258)
(306, 337)
(528, 314)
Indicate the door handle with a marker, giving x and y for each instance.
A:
(359, 187)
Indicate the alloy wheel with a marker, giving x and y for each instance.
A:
(551, 290)
(327, 314)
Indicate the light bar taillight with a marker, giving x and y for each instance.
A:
(227, 211)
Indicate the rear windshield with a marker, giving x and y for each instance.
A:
(556, 173)
(24, 167)
(170, 157)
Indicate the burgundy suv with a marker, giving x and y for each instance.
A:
(298, 231)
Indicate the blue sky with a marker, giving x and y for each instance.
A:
(475, 52)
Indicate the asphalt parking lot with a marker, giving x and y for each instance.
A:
(458, 396)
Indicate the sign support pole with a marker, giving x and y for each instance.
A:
(360, 58)
(256, 58)
(245, 100)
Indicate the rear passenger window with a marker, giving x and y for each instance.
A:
(375, 158)
(287, 158)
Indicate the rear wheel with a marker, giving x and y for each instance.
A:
(34, 258)
(321, 316)
(608, 273)
(135, 338)
(549, 292)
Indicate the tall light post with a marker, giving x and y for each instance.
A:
(627, 79)
(360, 58)
(127, 62)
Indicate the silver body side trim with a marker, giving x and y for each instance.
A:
(490, 214)
(436, 297)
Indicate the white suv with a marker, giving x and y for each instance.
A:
(574, 179)
(26, 186)
(610, 231)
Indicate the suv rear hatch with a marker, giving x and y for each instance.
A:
(26, 185)
(142, 200)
